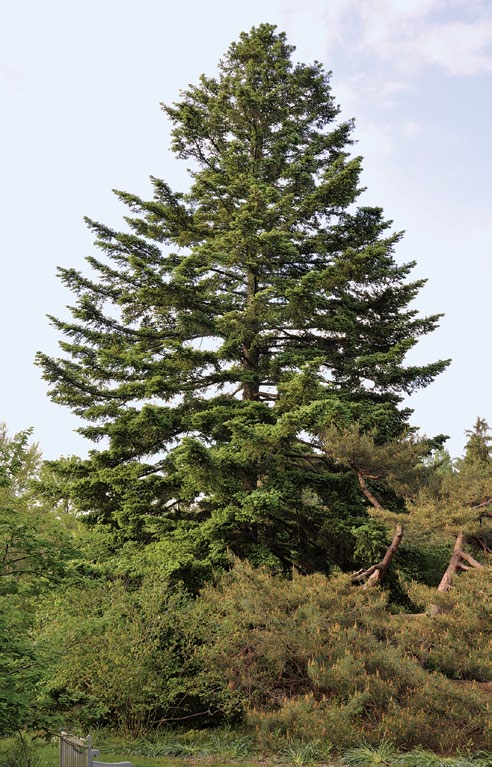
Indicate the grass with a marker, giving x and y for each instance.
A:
(217, 749)
(44, 754)
(383, 755)
(302, 753)
(228, 748)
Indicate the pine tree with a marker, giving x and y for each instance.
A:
(478, 449)
(225, 327)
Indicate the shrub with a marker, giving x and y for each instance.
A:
(315, 657)
(124, 656)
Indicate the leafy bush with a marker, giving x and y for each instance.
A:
(17, 752)
(457, 640)
(125, 656)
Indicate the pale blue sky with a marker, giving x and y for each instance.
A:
(80, 87)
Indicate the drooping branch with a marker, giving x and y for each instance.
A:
(487, 502)
(375, 574)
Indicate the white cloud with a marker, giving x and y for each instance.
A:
(459, 48)
(455, 35)
(351, 92)
(411, 129)
(393, 87)
(12, 76)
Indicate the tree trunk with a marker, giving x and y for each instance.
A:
(456, 563)
(376, 573)
(370, 497)
(251, 389)
(250, 354)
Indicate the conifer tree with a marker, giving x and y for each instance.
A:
(478, 448)
(226, 326)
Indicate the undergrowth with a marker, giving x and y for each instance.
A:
(219, 748)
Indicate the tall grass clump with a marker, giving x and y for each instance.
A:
(365, 755)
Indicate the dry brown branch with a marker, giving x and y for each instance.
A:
(456, 563)
(376, 573)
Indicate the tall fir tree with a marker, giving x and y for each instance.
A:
(226, 327)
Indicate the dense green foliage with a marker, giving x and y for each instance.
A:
(125, 655)
(478, 449)
(289, 659)
(239, 351)
(226, 327)
(316, 655)
(33, 551)
(306, 661)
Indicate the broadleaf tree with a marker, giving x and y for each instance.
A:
(34, 554)
(227, 325)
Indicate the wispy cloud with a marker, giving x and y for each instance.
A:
(459, 48)
(12, 76)
(455, 35)
(377, 140)
(411, 128)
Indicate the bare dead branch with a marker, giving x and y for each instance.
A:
(376, 573)
(471, 561)
(447, 578)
